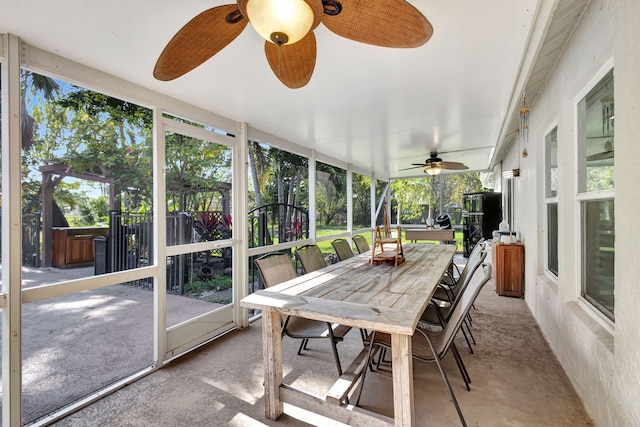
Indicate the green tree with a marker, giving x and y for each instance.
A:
(259, 167)
(93, 134)
(194, 169)
(413, 200)
(410, 198)
(33, 85)
(361, 186)
(94, 211)
(331, 194)
(36, 85)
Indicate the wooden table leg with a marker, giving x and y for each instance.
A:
(402, 363)
(272, 354)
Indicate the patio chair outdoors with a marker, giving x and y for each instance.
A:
(310, 258)
(438, 311)
(342, 248)
(448, 289)
(445, 291)
(455, 273)
(435, 312)
(277, 268)
(432, 346)
(361, 244)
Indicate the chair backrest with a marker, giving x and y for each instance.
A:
(361, 244)
(479, 278)
(480, 245)
(473, 263)
(275, 268)
(311, 258)
(343, 249)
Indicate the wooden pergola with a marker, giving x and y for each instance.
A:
(53, 172)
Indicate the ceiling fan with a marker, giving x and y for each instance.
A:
(287, 26)
(434, 165)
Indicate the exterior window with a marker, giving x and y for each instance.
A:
(509, 203)
(599, 237)
(551, 198)
(596, 115)
(552, 238)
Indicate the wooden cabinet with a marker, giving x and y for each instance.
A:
(508, 270)
(73, 247)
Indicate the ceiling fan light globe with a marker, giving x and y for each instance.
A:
(433, 170)
(274, 18)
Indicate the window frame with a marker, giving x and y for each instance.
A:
(550, 199)
(583, 195)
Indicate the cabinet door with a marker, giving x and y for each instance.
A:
(79, 250)
(510, 270)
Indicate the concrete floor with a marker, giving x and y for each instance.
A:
(516, 381)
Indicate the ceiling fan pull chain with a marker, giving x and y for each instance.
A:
(331, 7)
(234, 17)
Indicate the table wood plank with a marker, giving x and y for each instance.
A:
(314, 279)
(402, 371)
(375, 279)
(425, 278)
(272, 355)
(361, 316)
(338, 393)
(340, 282)
(349, 414)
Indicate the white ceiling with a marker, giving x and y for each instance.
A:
(380, 109)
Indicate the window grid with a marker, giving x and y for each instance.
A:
(596, 114)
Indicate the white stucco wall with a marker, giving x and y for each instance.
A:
(602, 363)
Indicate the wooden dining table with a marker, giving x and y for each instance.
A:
(355, 293)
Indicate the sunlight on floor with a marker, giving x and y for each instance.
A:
(242, 420)
(310, 417)
(237, 390)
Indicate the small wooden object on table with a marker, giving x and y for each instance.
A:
(392, 254)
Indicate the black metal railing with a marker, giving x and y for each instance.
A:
(129, 245)
(277, 223)
(31, 239)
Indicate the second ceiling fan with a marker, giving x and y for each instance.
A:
(434, 165)
(287, 26)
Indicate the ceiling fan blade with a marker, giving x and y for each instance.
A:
(413, 167)
(293, 64)
(386, 23)
(201, 38)
(600, 156)
(453, 166)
